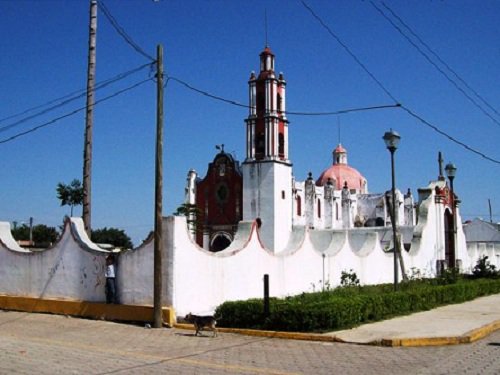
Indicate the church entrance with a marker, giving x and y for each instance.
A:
(220, 242)
(449, 239)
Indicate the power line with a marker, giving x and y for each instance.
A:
(41, 106)
(53, 121)
(67, 99)
(120, 30)
(435, 128)
(426, 56)
(343, 111)
(205, 93)
(347, 49)
(439, 59)
(235, 103)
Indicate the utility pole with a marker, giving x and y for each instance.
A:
(158, 241)
(87, 146)
(31, 231)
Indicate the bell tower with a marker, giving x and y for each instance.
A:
(267, 171)
(267, 126)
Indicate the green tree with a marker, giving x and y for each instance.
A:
(42, 234)
(70, 195)
(112, 236)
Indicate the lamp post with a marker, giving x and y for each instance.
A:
(391, 139)
(451, 171)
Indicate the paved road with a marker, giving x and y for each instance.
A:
(51, 344)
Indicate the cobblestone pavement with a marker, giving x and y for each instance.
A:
(51, 344)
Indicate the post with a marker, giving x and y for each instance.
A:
(489, 205)
(266, 295)
(158, 241)
(453, 259)
(451, 171)
(87, 147)
(31, 231)
(394, 234)
(391, 139)
(323, 281)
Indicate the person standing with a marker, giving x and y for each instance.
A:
(110, 279)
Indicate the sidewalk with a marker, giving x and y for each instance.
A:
(451, 324)
(447, 325)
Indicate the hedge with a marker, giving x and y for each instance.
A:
(348, 307)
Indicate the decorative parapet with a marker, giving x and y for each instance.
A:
(80, 235)
(8, 241)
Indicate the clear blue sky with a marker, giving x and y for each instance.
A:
(214, 45)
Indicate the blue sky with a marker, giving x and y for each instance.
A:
(213, 46)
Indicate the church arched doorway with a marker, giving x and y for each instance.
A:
(220, 241)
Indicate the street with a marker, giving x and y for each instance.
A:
(51, 344)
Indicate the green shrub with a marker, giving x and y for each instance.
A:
(343, 307)
(349, 278)
(484, 268)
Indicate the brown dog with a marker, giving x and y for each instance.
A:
(202, 322)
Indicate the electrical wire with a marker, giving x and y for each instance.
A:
(406, 109)
(120, 30)
(53, 121)
(68, 98)
(440, 59)
(205, 93)
(343, 111)
(348, 50)
(233, 102)
(435, 128)
(426, 56)
(41, 105)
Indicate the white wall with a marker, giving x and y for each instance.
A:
(71, 269)
(195, 280)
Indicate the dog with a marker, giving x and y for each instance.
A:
(201, 322)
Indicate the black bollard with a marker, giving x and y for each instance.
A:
(266, 295)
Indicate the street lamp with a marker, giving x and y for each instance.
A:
(391, 139)
(451, 171)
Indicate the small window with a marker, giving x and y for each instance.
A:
(282, 194)
(299, 206)
(319, 208)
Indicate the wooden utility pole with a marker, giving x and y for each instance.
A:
(87, 146)
(158, 240)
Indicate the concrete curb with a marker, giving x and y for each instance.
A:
(467, 338)
(93, 310)
(273, 334)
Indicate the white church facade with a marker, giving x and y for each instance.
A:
(338, 199)
(302, 234)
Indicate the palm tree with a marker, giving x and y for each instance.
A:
(71, 195)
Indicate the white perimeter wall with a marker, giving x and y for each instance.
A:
(195, 280)
(72, 269)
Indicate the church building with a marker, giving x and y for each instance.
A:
(264, 188)
(218, 200)
(251, 219)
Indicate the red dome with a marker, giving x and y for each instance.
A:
(339, 174)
